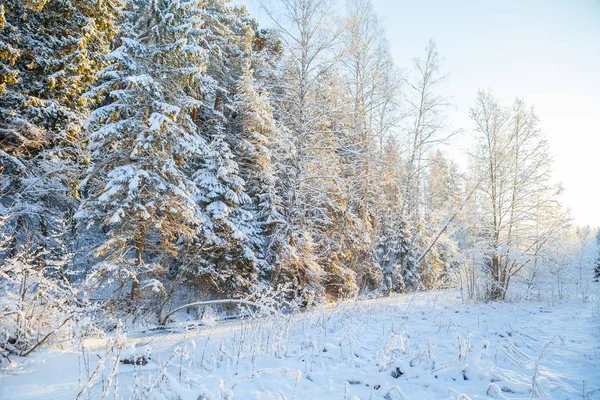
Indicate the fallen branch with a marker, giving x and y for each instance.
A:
(207, 303)
(52, 332)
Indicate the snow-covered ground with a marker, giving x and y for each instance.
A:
(423, 346)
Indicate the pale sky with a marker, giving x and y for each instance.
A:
(544, 51)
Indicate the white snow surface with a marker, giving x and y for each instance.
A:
(428, 345)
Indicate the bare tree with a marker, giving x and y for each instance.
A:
(514, 160)
(426, 110)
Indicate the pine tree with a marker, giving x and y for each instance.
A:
(338, 231)
(267, 58)
(258, 136)
(46, 63)
(50, 52)
(395, 254)
(139, 188)
(227, 248)
(394, 250)
(227, 33)
(224, 259)
(442, 197)
(8, 57)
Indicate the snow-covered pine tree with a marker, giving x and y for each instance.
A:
(223, 257)
(227, 33)
(336, 227)
(365, 48)
(297, 260)
(257, 139)
(50, 52)
(138, 188)
(308, 33)
(225, 252)
(8, 56)
(443, 196)
(371, 95)
(395, 254)
(267, 57)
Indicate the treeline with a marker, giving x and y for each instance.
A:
(168, 149)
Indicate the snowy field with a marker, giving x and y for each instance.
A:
(423, 346)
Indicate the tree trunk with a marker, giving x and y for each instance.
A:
(497, 284)
(140, 241)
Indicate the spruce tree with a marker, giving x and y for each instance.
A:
(395, 253)
(224, 257)
(228, 252)
(226, 37)
(336, 228)
(138, 188)
(50, 52)
(257, 139)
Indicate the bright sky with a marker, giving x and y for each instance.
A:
(544, 51)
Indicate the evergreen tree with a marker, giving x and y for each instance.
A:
(227, 249)
(141, 139)
(395, 252)
(50, 52)
(337, 229)
(227, 33)
(46, 63)
(309, 35)
(396, 255)
(224, 257)
(267, 58)
(257, 138)
(443, 195)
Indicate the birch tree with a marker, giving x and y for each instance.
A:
(368, 73)
(308, 34)
(425, 112)
(514, 160)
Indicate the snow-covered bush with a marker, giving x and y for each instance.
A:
(37, 302)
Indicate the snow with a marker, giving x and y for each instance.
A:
(218, 210)
(140, 80)
(424, 346)
(156, 121)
